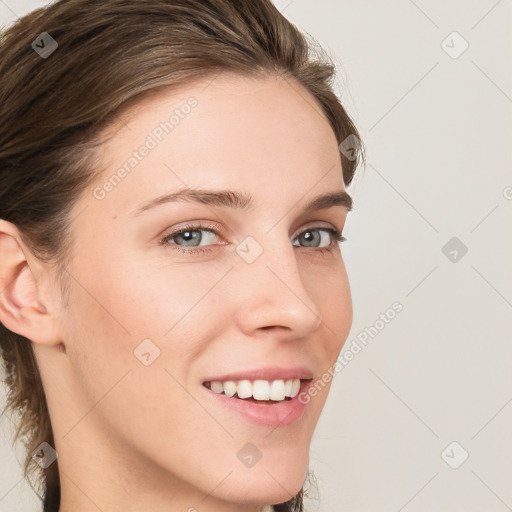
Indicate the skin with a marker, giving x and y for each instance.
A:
(132, 437)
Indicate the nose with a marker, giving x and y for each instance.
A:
(271, 296)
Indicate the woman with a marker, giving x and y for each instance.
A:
(174, 179)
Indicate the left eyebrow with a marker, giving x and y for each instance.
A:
(241, 201)
(323, 201)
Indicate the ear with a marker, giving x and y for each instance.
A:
(23, 308)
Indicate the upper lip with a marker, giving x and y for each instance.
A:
(269, 373)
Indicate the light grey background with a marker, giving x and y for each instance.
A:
(438, 136)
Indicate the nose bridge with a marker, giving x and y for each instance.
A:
(272, 290)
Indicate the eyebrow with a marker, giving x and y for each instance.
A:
(241, 201)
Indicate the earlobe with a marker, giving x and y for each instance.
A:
(22, 309)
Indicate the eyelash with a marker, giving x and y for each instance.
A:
(336, 237)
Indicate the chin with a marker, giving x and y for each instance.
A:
(265, 486)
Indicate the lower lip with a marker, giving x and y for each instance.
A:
(266, 414)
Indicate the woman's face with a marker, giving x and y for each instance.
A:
(259, 292)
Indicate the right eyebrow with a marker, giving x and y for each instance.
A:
(226, 198)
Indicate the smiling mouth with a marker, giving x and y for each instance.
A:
(258, 391)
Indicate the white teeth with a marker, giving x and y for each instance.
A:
(261, 390)
(229, 388)
(244, 389)
(217, 387)
(276, 390)
(295, 387)
(288, 387)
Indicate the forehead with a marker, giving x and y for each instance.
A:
(266, 134)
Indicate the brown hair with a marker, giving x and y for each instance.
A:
(110, 53)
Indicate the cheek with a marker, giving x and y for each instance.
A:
(330, 289)
(132, 340)
(124, 318)
(131, 300)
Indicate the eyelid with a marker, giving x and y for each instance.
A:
(318, 224)
(217, 229)
(192, 226)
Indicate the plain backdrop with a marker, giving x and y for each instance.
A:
(419, 418)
